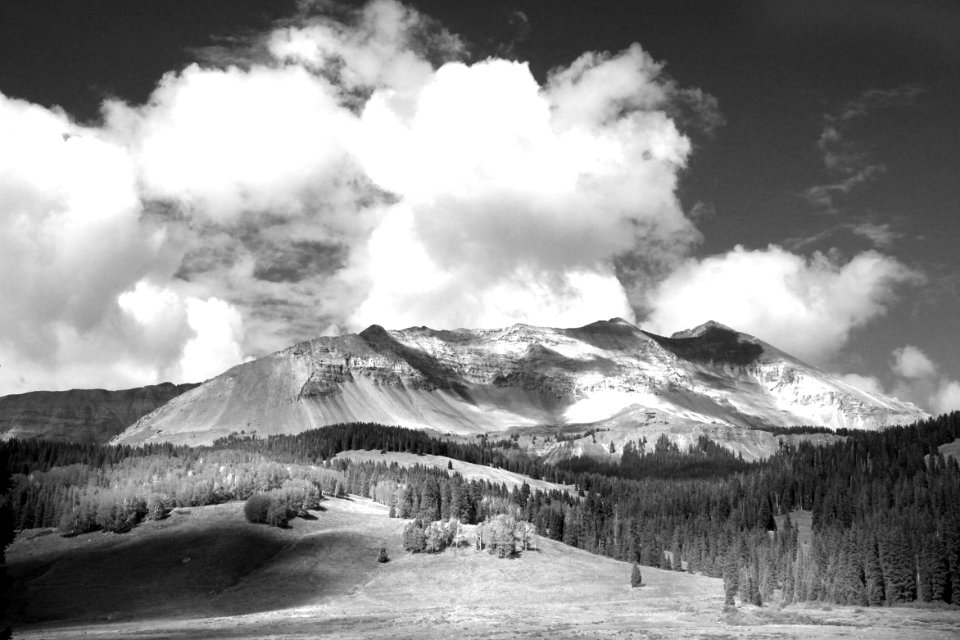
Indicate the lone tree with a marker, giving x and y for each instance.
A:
(635, 579)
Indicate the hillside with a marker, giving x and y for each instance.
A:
(608, 375)
(81, 415)
(468, 470)
(207, 573)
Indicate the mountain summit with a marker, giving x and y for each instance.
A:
(608, 375)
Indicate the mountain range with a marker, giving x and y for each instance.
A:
(596, 386)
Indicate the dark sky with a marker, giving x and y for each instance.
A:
(840, 125)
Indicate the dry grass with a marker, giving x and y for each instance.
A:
(321, 579)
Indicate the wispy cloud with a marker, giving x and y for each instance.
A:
(880, 235)
(847, 163)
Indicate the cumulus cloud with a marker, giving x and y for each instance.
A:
(808, 307)
(73, 247)
(919, 379)
(220, 142)
(334, 173)
(910, 362)
(510, 190)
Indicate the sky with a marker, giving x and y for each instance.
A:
(189, 184)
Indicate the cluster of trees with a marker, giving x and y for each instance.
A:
(502, 535)
(123, 491)
(705, 459)
(505, 536)
(421, 536)
(276, 507)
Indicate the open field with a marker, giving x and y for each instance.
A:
(210, 574)
(951, 449)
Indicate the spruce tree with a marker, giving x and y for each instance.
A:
(731, 575)
(873, 573)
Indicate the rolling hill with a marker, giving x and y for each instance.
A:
(207, 573)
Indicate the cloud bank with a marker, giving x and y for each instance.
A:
(807, 307)
(343, 172)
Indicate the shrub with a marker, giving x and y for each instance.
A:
(156, 509)
(278, 513)
(256, 508)
(268, 508)
(414, 539)
(382, 556)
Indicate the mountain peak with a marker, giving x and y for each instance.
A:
(699, 330)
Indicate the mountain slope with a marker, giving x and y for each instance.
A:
(609, 375)
(81, 415)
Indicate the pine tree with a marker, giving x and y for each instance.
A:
(731, 574)
(753, 590)
(899, 568)
(872, 573)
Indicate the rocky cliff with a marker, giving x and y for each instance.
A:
(81, 415)
(609, 375)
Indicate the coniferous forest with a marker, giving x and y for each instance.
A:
(884, 506)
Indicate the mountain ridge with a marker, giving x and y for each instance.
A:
(608, 375)
(81, 415)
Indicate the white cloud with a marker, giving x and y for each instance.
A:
(947, 397)
(378, 49)
(807, 307)
(215, 346)
(343, 178)
(910, 362)
(919, 379)
(870, 384)
(221, 142)
(515, 196)
(71, 241)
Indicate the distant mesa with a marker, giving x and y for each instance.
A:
(81, 415)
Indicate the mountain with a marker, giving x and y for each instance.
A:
(609, 376)
(81, 415)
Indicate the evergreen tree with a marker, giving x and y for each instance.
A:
(872, 572)
(731, 575)
(6, 537)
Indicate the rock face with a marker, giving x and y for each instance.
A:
(608, 375)
(81, 415)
